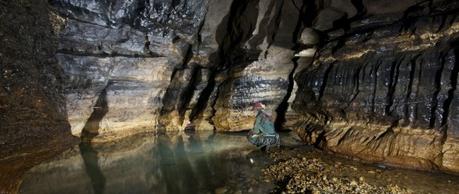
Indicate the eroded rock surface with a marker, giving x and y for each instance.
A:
(165, 64)
(385, 89)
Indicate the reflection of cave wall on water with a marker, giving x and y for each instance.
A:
(196, 163)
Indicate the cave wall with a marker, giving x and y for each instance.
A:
(119, 58)
(32, 112)
(383, 85)
(372, 79)
(161, 65)
(33, 122)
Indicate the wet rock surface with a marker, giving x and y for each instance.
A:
(383, 86)
(212, 60)
(119, 59)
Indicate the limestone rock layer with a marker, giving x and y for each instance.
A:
(372, 79)
(383, 88)
(162, 65)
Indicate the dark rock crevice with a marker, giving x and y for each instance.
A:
(324, 81)
(281, 110)
(393, 78)
(234, 31)
(188, 92)
(374, 74)
(437, 89)
(409, 94)
(454, 82)
(276, 22)
(303, 20)
(356, 83)
(268, 25)
(204, 97)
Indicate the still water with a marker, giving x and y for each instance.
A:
(174, 163)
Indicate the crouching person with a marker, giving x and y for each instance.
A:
(263, 134)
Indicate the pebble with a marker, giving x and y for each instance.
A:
(353, 183)
(313, 175)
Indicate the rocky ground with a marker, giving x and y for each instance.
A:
(307, 170)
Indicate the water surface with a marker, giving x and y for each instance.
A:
(202, 163)
(178, 163)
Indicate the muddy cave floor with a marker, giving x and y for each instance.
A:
(220, 163)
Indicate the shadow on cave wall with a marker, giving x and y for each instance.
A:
(100, 109)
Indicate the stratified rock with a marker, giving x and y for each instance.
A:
(119, 58)
(205, 52)
(374, 79)
(131, 89)
(264, 80)
(385, 90)
(85, 38)
(257, 82)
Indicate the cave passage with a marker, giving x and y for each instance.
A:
(157, 96)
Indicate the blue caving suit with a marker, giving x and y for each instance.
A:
(263, 134)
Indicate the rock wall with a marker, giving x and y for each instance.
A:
(30, 93)
(372, 79)
(161, 65)
(33, 125)
(383, 85)
(119, 57)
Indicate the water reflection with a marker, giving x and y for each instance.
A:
(91, 163)
(180, 163)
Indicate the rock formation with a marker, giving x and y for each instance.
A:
(372, 79)
(383, 85)
(160, 65)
